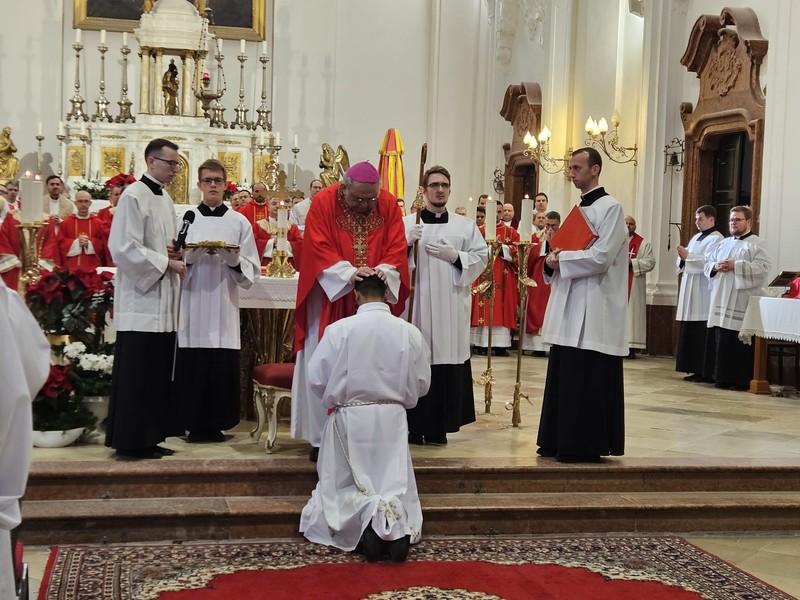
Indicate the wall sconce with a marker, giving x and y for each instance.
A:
(541, 152)
(600, 138)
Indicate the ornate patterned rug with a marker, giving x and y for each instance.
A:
(601, 567)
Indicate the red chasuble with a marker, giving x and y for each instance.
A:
(69, 230)
(539, 295)
(334, 234)
(47, 238)
(506, 296)
(255, 212)
(262, 235)
(633, 252)
(10, 252)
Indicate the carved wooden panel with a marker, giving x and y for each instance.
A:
(522, 107)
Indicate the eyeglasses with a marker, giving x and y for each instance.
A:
(212, 180)
(172, 163)
(736, 219)
(439, 184)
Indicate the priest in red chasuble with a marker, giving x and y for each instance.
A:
(539, 295)
(506, 296)
(265, 231)
(352, 230)
(258, 207)
(10, 247)
(82, 237)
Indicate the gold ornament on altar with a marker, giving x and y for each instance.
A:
(233, 164)
(169, 85)
(9, 164)
(113, 161)
(334, 164)
(178, 189)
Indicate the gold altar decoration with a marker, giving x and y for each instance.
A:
(280, 266)
(213, 245)
(178, 189)
(9, 164)
(29, 254)
(333, 164)
(76, 161)
(112, 161)
(486, 289)
(233, 164)
(260, 164)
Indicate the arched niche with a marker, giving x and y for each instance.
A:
(522, 107)
(726, 52)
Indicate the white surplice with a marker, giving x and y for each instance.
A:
(145, 292)
(694, 297)
(443, 297)
(589, 291)
(731, 291)
(24, 366)
(368, 368)
(636, 319)
(210, 301)
(299, 212)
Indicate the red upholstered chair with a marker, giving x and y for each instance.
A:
(272, 382)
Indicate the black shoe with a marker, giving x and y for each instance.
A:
(415, 438)
(579, 458)
(163, 451)
(547, 452)
(480, 351)
(692, 377)
(215, 436)
(196, 437)
(314, 454)
(138, 453)
(398, 549)
(500, 351)
(371, 544)
(631, 354)
(539, 353)
(437, 441)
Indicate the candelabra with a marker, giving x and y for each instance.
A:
(541, 153)
(206, 96)
(39, 140)
(85, 136)
(125, 103)
(523, 283)
(240, 110)
(609, 143)
(30, 272)
(295, 151)
(274, 167)
(217, 111)
(280, 266)
(76, 101)
(486, 289)
(102, 102)
(61, 137)
(263, 112)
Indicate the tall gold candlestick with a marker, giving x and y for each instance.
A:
(486, 288)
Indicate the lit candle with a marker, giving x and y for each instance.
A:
(296, 145)
(264, 47)
(78, 36)
(125, 39)
(491, 220)
(30, 192)
(242, 47)
(39, 129)
(526, 220)
(283, 225)
(61, 128)
(472, 208)
(102, 37)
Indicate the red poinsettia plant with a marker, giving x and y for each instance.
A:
(230, 189)
(73, 303)
(57, 407)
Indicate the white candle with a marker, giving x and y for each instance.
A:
(491, 220)
(125, 39)
(242, 47)
(295, 143)
(278, 138)
(526, 220)
(219, 45)
(78, 36)
(84, 128)
(39, 128)
(261, 138)
(61, 128)
(472, 209)
(30, 193)
(264, 47)
(283, 224)
(102, 37)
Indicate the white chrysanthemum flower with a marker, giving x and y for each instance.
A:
(74, 349)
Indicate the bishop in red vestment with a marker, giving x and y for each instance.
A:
(82, 237)
(10, 249)
(352, 230)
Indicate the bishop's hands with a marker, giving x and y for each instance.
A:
(443, 250)
(552, 259)
(362, 272)
(414, 234)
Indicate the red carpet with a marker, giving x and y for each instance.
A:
(600, 568)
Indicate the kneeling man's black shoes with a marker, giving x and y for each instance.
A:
(314, 454)
(372, 545)
(398, 549)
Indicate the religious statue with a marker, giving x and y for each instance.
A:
(333, 164)
(9, 164)
(169, 85)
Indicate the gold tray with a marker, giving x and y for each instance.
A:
(212, 244)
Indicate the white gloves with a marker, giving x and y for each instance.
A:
(414, 234)
(443, 250)
(192, 255)
(229, 257)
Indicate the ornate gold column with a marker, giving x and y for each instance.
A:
(158, 99)
(144, 81)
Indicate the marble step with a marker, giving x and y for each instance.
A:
(181, 519)
(296, 477)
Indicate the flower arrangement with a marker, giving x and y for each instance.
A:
(121, 180)
(98, 190)
(90, 373)
(57, 407)
(70, 303)
(230, 189)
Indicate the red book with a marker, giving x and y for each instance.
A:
(575, 233)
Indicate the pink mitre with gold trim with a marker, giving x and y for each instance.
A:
(363, 172)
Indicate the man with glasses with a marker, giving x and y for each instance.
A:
(353, 230)
(142, 413)
(738, 268)
(207, 369)
(452, 254)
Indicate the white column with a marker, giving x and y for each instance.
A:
(144, 80)
(158, 96)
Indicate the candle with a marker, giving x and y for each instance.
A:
(39, 129)
(219, 45)
(472, 209)
(491, 220)
(31, 192)
(264, 47)
(283, 225)
(61, 128)
(125, 39)
(526, 220)
(77, 36)
(296, 145)
(261, 141)
(278, 138)
(242, 47)
(102, 37)
(84, 129)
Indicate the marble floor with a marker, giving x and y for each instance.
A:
(666, 419)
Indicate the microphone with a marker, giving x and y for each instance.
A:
(188, 219)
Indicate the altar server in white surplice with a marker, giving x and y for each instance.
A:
(738, 268)
(451, 255)
(694, 298)
(367, 370)
(207, 371)
(24, 365)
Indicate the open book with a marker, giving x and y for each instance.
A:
(575, 233)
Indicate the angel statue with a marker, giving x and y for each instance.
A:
(333, 165)
(169, 85)
(9, 164)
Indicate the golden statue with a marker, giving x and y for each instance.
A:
(334, 164)
(169, 85)
(9, 164)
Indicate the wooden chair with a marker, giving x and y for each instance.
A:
(272, 382)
